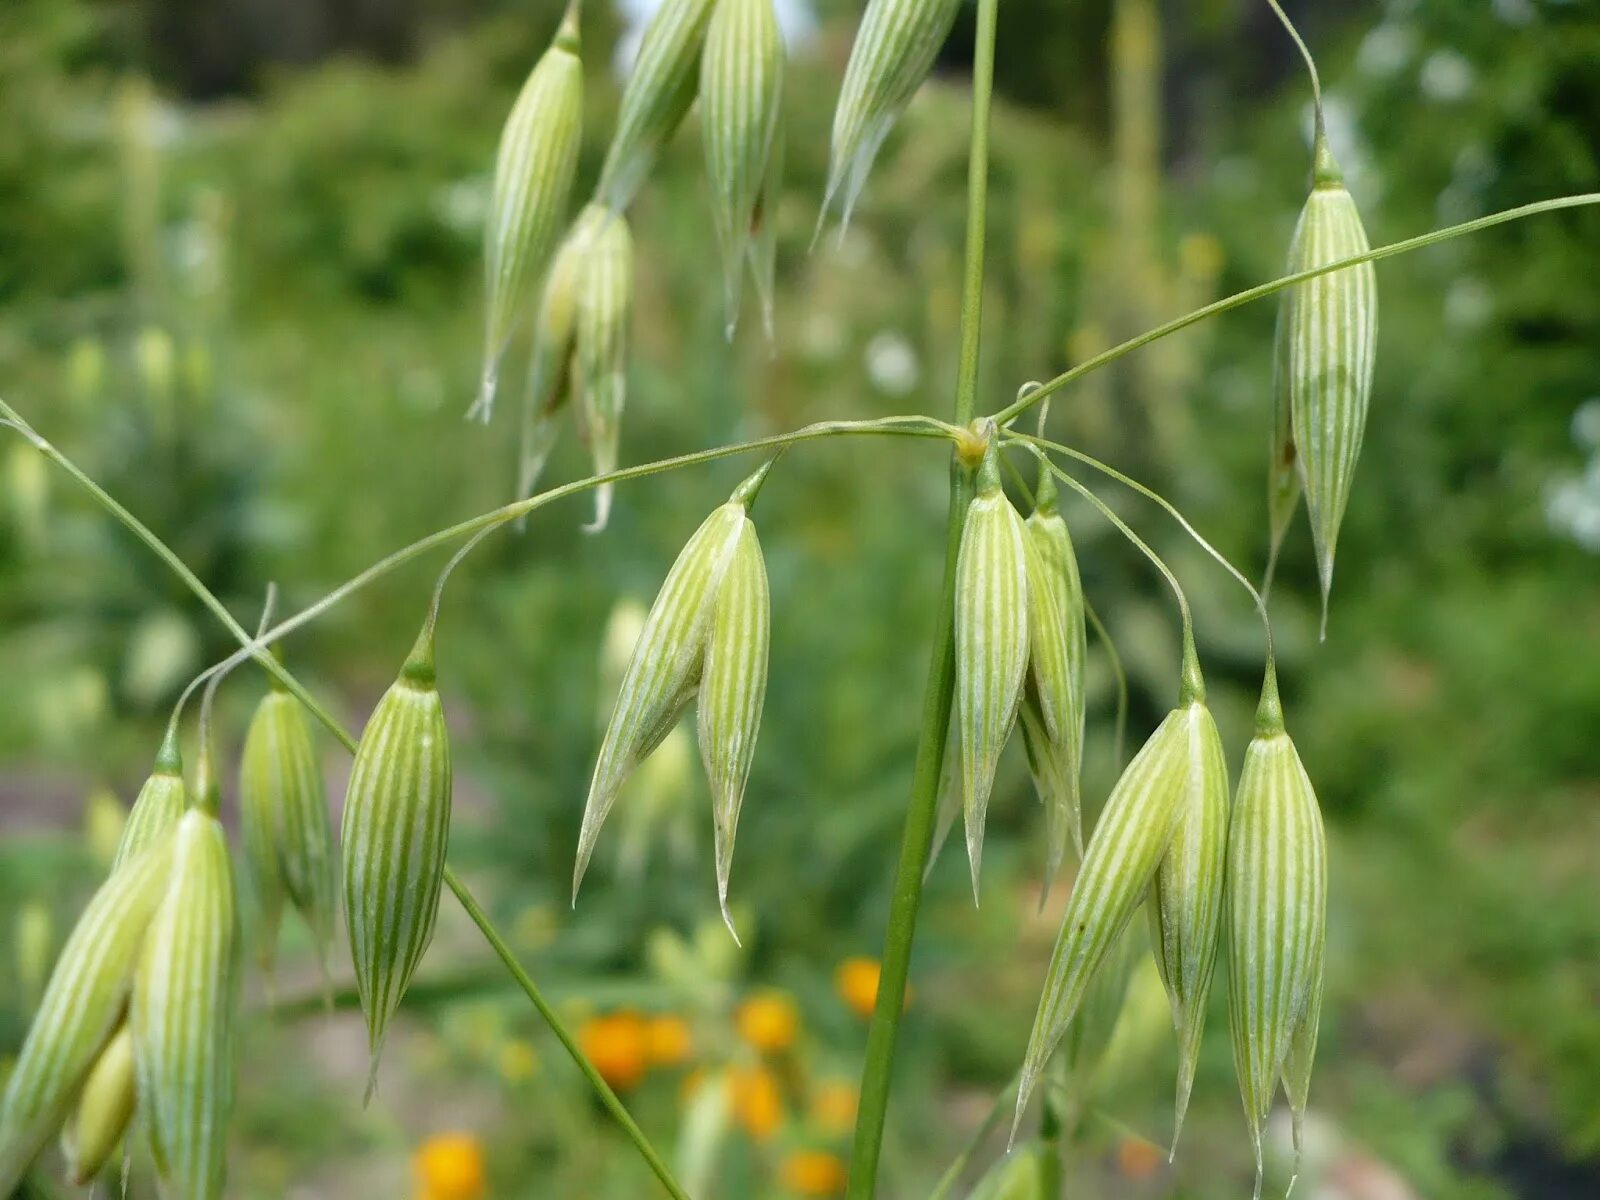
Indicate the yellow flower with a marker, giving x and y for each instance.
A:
(768, 1021)
(668, 1042)
(757, 1103)
(518, 1060)
(449, 1166)
(812, 1173)
(833, 1107)
(617, 1046)
(856, 981)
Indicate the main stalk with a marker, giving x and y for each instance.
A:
(917, 837)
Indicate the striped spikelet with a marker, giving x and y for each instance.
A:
(396, 830)
(991, 635)
(1277, 896)
(288, 839)
(1328, 336)
(183, 1012)
(159, 804)
(1054, 705)
(1119, 867)
(532, 182)
(1186, 897)
(82, 1006)
(892, 55)
(581, 348)
(741, 94)
(706, 635)
(658, 93)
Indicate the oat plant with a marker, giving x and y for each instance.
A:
(134, 1032)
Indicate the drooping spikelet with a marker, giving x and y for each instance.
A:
(1327, 333)
(741, 90)
(658, 93)
(288, 839)
(159, 804)
(396, 831)
(532, 182)
(706, 636)
(1119, 867)
(892, 55)
(991, 635)
(1277, 898)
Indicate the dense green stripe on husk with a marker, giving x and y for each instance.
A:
(893, 52)
(537, 159)
(1186, 897)
(1119, 865)
(658, 93)
(733, 688)
(81, 1008)
(991, 638)
(159, 804)
(396, 831)
(183, 1015)
(741, 92)
(287, 835)
(665, 669)
(1277, 889)
(600, 346)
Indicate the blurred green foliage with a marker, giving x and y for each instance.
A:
(254, 320)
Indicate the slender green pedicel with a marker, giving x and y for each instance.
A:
(1119, 866)
(1186, 897)
(892, 55)
(991, 636)
(532, 182)
(706, 635)
(396, 831)
(81, 1008)
(288, 839)
(183, 1010)
(657, 95)
(1328, 332)
(1054, 736)
(1277, 898)
(741, 86)
(161, 801)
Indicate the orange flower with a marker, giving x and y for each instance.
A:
(668, 1042)
(617, 1046)
(812, 1173)
(449, 1166)
(833, 1107)
(1137, 1158)
(768, 1020)
(757, 1103)
(857, 982)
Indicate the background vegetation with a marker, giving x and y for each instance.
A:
(239, 281)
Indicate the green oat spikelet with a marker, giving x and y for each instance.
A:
(581, 348)
(1119, 866)
(103, 1111)
(991, 636)
(183, 1013)
(395, 834)
(533, 174)
(1277, 899)
(655, 99)
(893, 52)
(159, 804)
(1054, 733)
(81, 1008)
(705, 636)
(741, 100)
(1186, 900)
(288, 839)
(1328, 336)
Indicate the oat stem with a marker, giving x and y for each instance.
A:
(1024, 402)
(922, 808)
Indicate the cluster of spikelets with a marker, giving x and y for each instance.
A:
(136, 1023)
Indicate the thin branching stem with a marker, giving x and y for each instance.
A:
(1089, 365)
(1311, 63)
